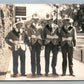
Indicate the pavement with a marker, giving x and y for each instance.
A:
(78, 68)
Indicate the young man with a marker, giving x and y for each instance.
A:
(51, 41)
(17, 39)
(34, 34)
(68, 41)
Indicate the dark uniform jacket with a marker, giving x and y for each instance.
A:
(34, 35)
(68, 36)
(50, 36)
(13, 39)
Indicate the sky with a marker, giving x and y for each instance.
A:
(43, 1)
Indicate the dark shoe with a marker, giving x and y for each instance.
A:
(63, 74)
(39, 74)
(46, 74)
(72, 75)
(23, 75)
(15, 75)
(33, 75)
(55, 74)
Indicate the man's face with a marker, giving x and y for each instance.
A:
(66, 23)
(19, 25)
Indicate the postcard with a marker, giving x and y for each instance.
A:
(41, 42)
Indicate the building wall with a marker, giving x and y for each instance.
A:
(40, 9)
(8, 12)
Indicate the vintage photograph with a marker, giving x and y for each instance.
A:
(41, 42)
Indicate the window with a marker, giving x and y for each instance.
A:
(20, 11)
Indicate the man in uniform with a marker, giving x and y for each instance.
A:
(68, 41)
(34, 34)
(51, 41)
(17, 39)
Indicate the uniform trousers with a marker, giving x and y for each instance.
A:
(48, 48)
(35, 58)
(16, 54)
(67, 51)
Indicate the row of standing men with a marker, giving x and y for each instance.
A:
(35, 36)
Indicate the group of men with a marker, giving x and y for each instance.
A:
(36, 35)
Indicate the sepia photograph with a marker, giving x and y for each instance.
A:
(41, 42)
